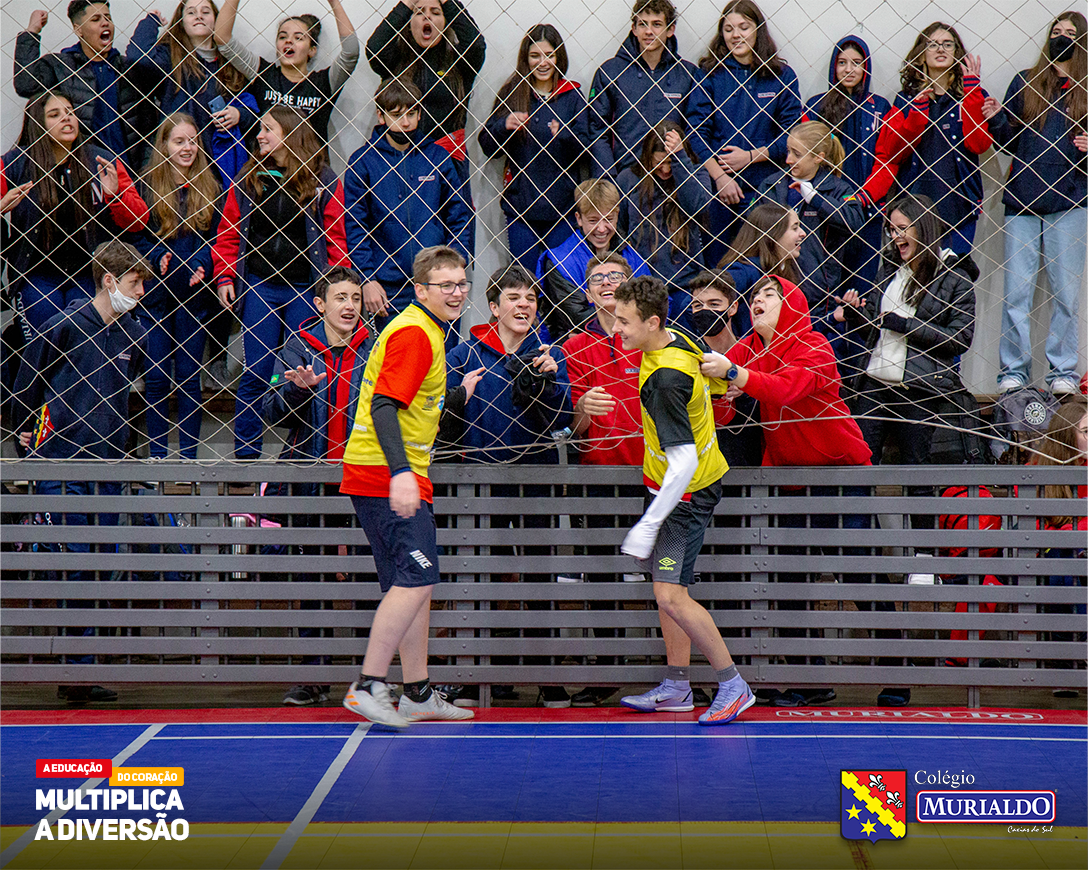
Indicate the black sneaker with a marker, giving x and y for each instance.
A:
(700, 698)
(816, 696)
(893, 698)
(766, 696)
(303, 696)
(553, 697)
(504, 693)
(789, 699)
(89, 694)
(593, 696)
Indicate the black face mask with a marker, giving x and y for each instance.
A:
(708, 322)
(1061, 48)
(399, 137)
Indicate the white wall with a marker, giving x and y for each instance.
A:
(1007, 35)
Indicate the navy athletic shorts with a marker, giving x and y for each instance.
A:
(405, 551)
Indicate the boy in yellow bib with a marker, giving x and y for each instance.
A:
(385, 473)
(682, 468)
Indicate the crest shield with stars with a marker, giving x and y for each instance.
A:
(873, 804)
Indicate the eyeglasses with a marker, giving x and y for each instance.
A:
(945, 45)
(448, 288)
(612, 277)
(894, 231)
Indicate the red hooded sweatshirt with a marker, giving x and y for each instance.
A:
(796, 383)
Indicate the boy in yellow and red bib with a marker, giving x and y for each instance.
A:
(385, 472)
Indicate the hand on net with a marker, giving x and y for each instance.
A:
(374, 299)
(597, 401)
(14, 196)
(471, 379)
(304, 378)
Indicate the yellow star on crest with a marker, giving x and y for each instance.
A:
(867, 828)
(853, 812)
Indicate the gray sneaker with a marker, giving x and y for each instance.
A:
(661, 699)
(436, 708)
(375, 705)
(733, 698)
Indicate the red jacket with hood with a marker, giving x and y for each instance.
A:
(796, 382)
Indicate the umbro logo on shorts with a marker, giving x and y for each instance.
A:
(666, 564)
(423, 561)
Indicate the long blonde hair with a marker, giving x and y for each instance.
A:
(160, 180)
(818, 139)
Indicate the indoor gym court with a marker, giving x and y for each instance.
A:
(530, 788)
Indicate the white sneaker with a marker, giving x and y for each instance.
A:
(1009, 383)
(921, 578)
(375, 705)
(1064, 387)
(435, 708)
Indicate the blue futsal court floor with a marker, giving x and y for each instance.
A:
(529, 788)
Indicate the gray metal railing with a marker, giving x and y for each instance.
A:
(178, 593)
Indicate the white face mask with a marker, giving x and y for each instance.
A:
(120, 302)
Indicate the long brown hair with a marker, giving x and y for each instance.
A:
(410, 55)
(767, 61)
(163, 185)
(1041, 90)
(929, 229)
(515, 95)
(912, 74)
(1059, 447)
(304, 159)
(38, 145)
(763, 225)
(186, 63)
(838, 104)
(677, 222)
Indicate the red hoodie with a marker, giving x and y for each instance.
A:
(796, 382)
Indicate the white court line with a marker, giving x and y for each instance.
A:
(255, 737)
(28, 836)
(416, 736)
(309, 809)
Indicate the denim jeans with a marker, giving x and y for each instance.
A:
(1061, 239)
(74, 488)
(176, 340)
(270, 312)
(44, 295)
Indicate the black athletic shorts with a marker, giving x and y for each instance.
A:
(681, 537)
(405, 551)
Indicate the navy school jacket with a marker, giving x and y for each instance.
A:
(858, 131)
(748, 110)
(192, 96)
(540, 173)
(643, 226)
(931, 147)
(495, 429)
(1048, 172)
(190, 250)
(628, 98)
(399, 202)
(73, 386)
(306, 413)
(830, 221)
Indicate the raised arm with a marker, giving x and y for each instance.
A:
(224, 21)
(382, 47)
(345, 62)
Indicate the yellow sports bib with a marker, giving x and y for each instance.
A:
(683, 355)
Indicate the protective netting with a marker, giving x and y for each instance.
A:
(727, 182)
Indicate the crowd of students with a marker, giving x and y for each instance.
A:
(855, 213)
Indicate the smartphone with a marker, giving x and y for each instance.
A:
(217, 104)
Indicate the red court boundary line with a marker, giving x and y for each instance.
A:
(529, 715)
